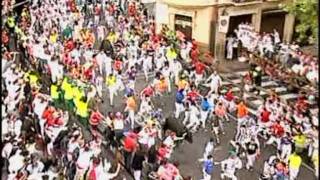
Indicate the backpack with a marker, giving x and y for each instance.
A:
(179, 97)
(208, 167)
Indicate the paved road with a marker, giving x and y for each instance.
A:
(188, 154)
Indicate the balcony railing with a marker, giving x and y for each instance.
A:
(243, 1)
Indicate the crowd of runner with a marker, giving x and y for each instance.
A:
(69, 55)
(269, 46)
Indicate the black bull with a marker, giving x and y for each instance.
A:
(177, 126)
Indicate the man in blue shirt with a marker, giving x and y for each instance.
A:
(208, 168)
(179, 103)
(205, 109)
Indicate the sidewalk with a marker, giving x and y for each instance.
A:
(227, 66)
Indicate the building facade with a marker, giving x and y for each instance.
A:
(211, 21)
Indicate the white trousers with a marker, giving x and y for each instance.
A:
(96, 19)
(206, 176)
(316, 168)
(137, 175)
(228, 175)
(99, 90)
(112, 93)
(108, 69)
(272, 140)
(100, 66)
(131, 117)
(293, 173)
(250, 160)
(198, 78)
(169, 84)
(186, 117)
(194, 121)
(203, 117)
(179, 109)
(213, 88)
(285, 151)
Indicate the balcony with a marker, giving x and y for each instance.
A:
(243, 1)
(190, 3)
(240, 2)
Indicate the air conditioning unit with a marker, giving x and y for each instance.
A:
(223, 23)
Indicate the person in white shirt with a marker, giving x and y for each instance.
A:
(276, 37)
(99, 85)
(160, 60)
(177, 67)
(194, 117)
(72, 145)
(83, 161)
(7, 149)
(102, 171)
(107, 65)
(36, 165)
(92, 93)
(75, 55)
(101, 58)
(208, 150)
(56, 70)
(88, 54)
(229, 167)
(185, 53)
(145, 106)
(120, 84)
(147, 65)
(40, 104)
(144, 136)
(230, 47)
(215, 82)
(16, 162)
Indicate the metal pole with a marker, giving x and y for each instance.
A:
(20, 3)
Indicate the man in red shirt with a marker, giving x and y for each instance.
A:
(130, 144)
(229, 95)
(265, 115)
(147, 92)
(277, 131)
(95, 118)
(193, 95)
(199, 68)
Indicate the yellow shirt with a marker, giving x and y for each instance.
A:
(82, 109)
(33, 79)
(11, 22)
(112, 38)
(77, 93)
(171, 54)
(53, 38)
(68, 95)
(64, 84)
(300, 140)
(54, 92)
(315, 159)
(111, 81)
(182, 84)
(294, 161)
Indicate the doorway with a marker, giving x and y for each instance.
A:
(236, 20)
(273, 20)
(184, 25)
